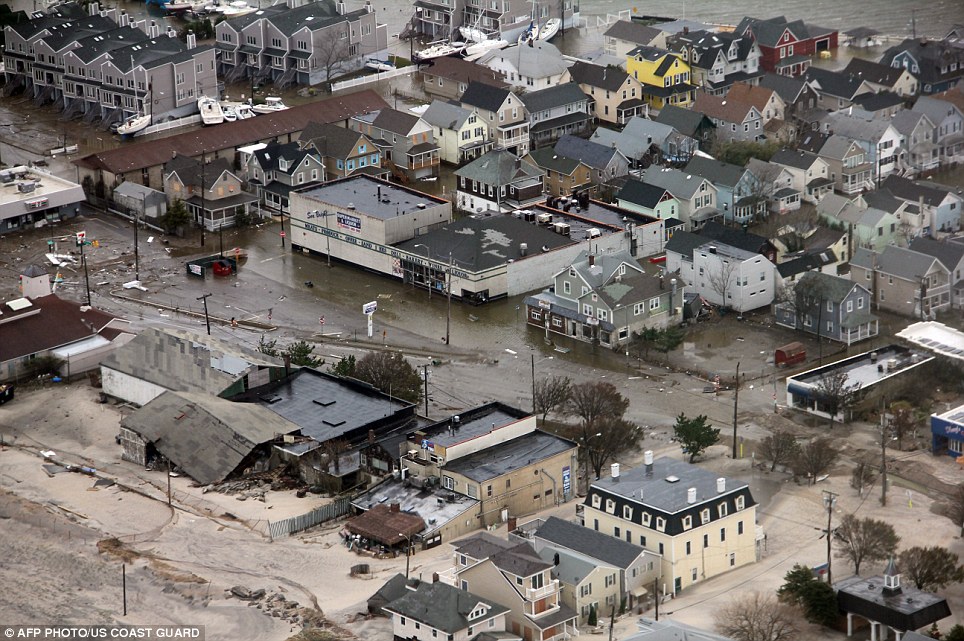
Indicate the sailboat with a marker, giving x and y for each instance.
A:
(134, 124)
(479, 49)
(439, 50)
(549, 29)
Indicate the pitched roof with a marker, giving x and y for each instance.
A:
(906, 120)
(722, 108)
(520, 560)
(484, 96)
(540, 60)
(685, 121)
(59, 322)
(759, 97)
(446, 115)
(904, 263)
(270, 157)
(498, 167)
(716, 171)
(206, 436)
(608, 78)
(794, 158)
(589, 542)
(313, 16)
(632, 31)
(834, 83)
(442, 606)
(879, 101)
(641, 193)
(806, 263)
(555, 96)
(932, 57)
(330, 139)
(482, 545)
(873, 71)
(714, 231)
(679, 183)
(383, 524)
(684, 242)
(395, 121)
(950, 254)
(768, 32)
(461, 70)
(547, 158)
(786, 87)
(910, 190)
(837, 147)
(591, 153)
(857, 128)
(229, 135)
(830, 287)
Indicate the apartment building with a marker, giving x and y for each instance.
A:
(503, 113)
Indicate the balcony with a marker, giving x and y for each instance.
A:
(514, 140)
(449, 577)
(533, 594)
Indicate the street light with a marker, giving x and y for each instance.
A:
(428, 278)
(325, 215)
(207, 319)
(829, 501)
(448, 311)
(585, 445)
(408, 552)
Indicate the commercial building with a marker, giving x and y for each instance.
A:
(30, 197)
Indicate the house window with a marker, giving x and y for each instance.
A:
(638, 309)
(642, 540)
(660, 524)
(860, 301)
(850, 306)
(829, 326)
(596, 501)
(705, 516)
(566, 287)
(627, 512)
(611, 506)
(739, 527)
(653, 303)
(829, 305)
(448, 482)
(646, 519)
(722, 509)
(687, 524)
(722, 534)
(740, 503)
(616, 532)
(689, 548)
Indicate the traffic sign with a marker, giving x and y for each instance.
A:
(370, 308)
(283, 234)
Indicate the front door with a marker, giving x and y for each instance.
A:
(678, 585)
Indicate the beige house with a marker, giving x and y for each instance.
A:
(625, 35)
(503, 113)
(900, 279)
(461, 135)
(211, 191)
(701, 525)
(514, 575)
(564, 175)
(614, 95)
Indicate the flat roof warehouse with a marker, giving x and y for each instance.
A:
(372, 197)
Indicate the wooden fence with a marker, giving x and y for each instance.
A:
(289, 526)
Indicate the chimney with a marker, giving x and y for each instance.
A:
(648, 460)
(191, 40)
(154, 30)
(523, 249)
(93, 9)
(614, 472)
(638, 494)
(592, 260)
(712, 249)
(721, 485)
(396, 507)
(124, 19)
(691, 496)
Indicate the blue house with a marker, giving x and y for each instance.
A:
(947, 432)
(737, 188)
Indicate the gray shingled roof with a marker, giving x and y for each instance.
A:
(482, 545)
(591, 153)
(830, 287)
(794, 158)
(520, 560)
(786, 87)
(498, 460)
(950, 254)
(446, 115)
(904, 263)
(637, 136)
(483, 96)
(589, 542)
(910, 190)
(555, 96)
(442, 607)
(679, 183)
(685, 121)
(330, 139)
(547, 158)
(395, 121)
(541, 60)
(640, 193)
(498, 167)
(206, 436)
(634, 32)
(856, 128)
(716, 171)
(834, 83)
(608, 78)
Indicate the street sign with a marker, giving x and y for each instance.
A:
(321, 320)
(370, 308)
(283, 234)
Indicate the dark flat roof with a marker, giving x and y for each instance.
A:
(472, 423)
(499, 460)
(371, 196)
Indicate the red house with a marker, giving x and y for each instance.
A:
(786, 47)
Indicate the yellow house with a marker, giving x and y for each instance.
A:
(700, 524)
(664, 76)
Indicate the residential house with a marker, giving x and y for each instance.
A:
(883, 77)
(734, 120)
(723, 275)
(448, 77)
(830, 307)
(614, 95)
(498, 181)
(504, 114)
(766, 100)
(343, 151)
(514, 575)
(625, 35)
(810, 173)
(786, 46)
(555, 112)
(648, 199)
(527, 67)
(941, 207)
(789, 271)
(868, 227)
(664, 76)
(594, 569)
(775, 185)
(740, 239)
(880, 105)
(923, 154)
(738, 193)
(563, 176)
(850, 169)
(951, 254)
(698, 200)
(406, 142)
(797, 94)
(689, 123)
(911, 219)
(718, 59)
(901, 279)
(644, 142)
(139, 201)
(938, 65)
(702, 525)
(809, 240)
(280, 167)
(606, 162)
(948, 119)
(880, 140)
(836, 89)
(604, 299)
(211, 191)
(306, 44)
(438, 611)
(461, 134)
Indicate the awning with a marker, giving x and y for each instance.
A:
(639, 592)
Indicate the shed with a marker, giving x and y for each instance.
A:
(790, 354)
(131, 198)
(385, 525)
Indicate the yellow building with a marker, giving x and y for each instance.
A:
(700, 524)
(664, 76)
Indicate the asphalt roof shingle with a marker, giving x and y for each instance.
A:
(442, 607)
(589, 542)
(556, 96)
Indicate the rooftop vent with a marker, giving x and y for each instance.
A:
(614, 471)
(721, 485)
(691, 495)
(672, 479)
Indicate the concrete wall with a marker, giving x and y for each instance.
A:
(128, 388)
(537, 270)
(495, 437)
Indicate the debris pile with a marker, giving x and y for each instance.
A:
(273, 604)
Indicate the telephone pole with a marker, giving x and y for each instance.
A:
(207, 319)
(883, 453)
(736, 405)
(425, 379)
(829, 500)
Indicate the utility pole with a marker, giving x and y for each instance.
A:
(82, 240)
(883, 454)
(656, 596)
(169, 482)
(425, 378)
(448, 313)
(829, 500)
(207, 319)
(736, 405)
(137, 260)
(124, 585)
(533, 357)
(203, 217)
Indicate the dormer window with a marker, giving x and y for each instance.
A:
(596, 501)
(611, 506)
(705, 516)
(722, 509)
(627, 512)
(740, 501)
(687, 522)
(660, 524)
(282, 164)
(647, 519)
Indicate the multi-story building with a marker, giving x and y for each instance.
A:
(406, 142)
(697, 196)
(280, 167)
(460, 133)
(614, 95)
(625, 35)
(828, 306)
(718, 59)
(564, 176)
(701, 525)
(210, 190)
(939, 65)
(850, 169)
(527, 68)
(441, 19)
(734, 120)
(786, 46)
(948, 118)
(499, 181)
(343, 151)
(664, 75)
(448, 78)
(555, 112)
(308, 44)
(879, 139)
(503, 113)
(903, 281)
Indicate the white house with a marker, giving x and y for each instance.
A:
(528, 67)
(459, 132)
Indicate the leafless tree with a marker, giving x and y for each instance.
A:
(835, 393)
(860, 540)
(931, 568)
(862, 475)
(758, 617)
(903, 421)
(955, 507)
(331, 51)
(780, 448)
(391, 373)
(762, 187)
(723, 278)
(599, 406)
(814, 458)
(332, 451)
(552, 393)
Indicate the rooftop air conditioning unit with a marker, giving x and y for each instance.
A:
(544, 219)
(561, 228)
